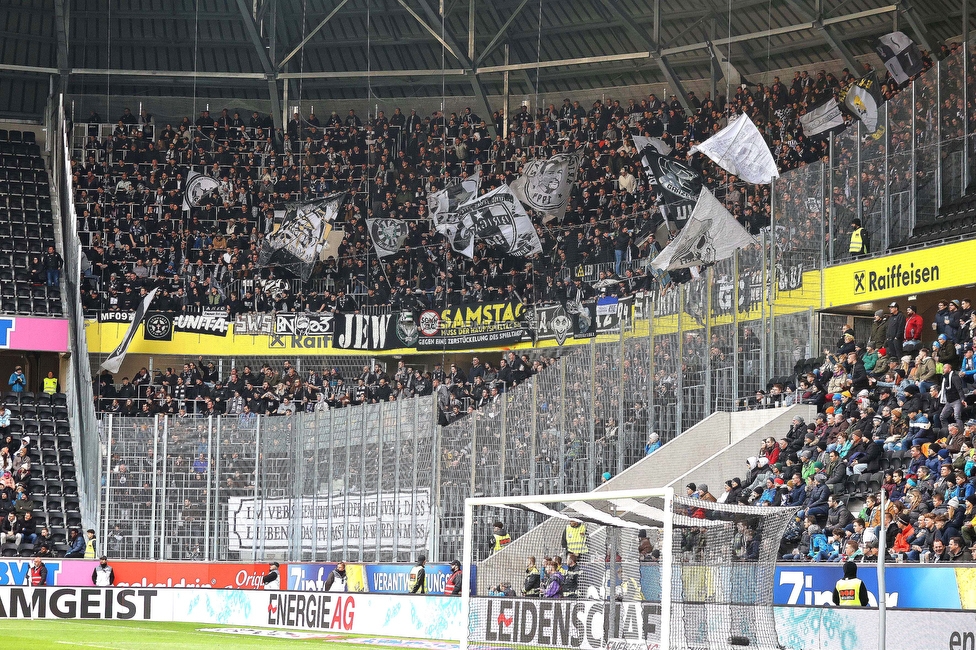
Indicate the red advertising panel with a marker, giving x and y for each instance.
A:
(190, 574)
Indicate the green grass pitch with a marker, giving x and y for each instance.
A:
(139, 635)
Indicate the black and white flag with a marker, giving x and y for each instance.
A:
(387, 234)
(901, 56)
(711, 234)
(296, 241)
(862, 100)
(115, 359)
(198, 188)
(678, 185)
(546, 185)
(443, 206)
(500, 220)
(662, 147)
(823, 117)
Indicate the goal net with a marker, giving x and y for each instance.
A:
(633, 569)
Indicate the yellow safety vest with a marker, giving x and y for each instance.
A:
(501, 541)
(857, 246)
(848, 592)
(89, 549)
(576, 539)
(412, 580)
(50, 385)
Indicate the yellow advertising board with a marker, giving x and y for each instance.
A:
(891, 276)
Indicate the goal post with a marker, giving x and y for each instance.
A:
(649, 569)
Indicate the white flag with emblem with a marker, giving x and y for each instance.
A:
(545, 185)
(500, 220)
(711, 234)
(740, 149)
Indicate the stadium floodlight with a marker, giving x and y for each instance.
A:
(655, 570)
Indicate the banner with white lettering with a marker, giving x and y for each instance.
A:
(354, 521)
(475, 325)
(380, 332)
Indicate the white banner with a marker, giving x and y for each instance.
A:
(355, 521)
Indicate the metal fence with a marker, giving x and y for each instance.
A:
(918, 159)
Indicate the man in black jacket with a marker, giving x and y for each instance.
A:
(951, 394)
(895, 334)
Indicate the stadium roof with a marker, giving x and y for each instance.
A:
(249, 49)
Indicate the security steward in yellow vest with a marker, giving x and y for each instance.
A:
(859, 239)
(850, 590)
(574, 538)
(50, 384)
(417, 580)
(90, 543)
(499, 537)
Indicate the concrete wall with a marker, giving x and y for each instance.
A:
(730, 461)
(709, 439)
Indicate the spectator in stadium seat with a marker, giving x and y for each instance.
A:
(951, 394)
(76, 544)
(914, 327)
(956, 552)
(11, 530)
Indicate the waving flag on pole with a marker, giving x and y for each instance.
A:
(662, 147)
(297, 239)
(740, 149)
(711, 234)
(387, 234)
(114, 361)
(822, 118)
(676, 184)
(863, 99)
(545, 185)
(444, 205)
(901, 56)
(500, 220)
(198, 188)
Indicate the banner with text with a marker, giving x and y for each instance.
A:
(352, 521)
(472, 326)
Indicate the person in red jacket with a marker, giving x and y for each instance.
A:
(453, 585)
(905, 531)
(913, 325)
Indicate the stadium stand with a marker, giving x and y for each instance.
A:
(26, 229)
(36, 455)
(129, 196)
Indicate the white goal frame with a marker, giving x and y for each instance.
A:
(666, 545)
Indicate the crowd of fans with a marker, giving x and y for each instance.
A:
(129, 191)
(895, 413)
(197, 391)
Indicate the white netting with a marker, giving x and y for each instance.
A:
(589, 574)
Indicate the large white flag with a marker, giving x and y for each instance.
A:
(545, 185)
(740, 149)
(114, 361)
(711, 234)
(500, 220)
